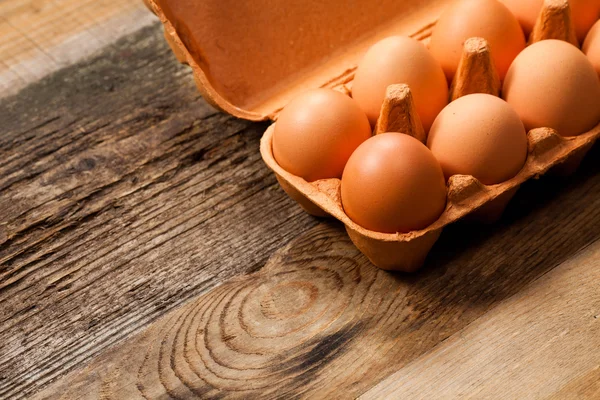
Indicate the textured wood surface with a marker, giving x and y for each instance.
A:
(122, 194)
(38, 37)
(125, 201)
(540, 343)
(319, 321)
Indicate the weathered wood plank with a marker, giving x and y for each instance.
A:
(541, 343)
(38, 37)
(122, 194)
(318, 321)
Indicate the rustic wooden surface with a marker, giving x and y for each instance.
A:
(544, 351)
(38, 37)
(131, 214)
(122, 194)
(318, 322)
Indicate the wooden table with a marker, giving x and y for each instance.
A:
(147, 252)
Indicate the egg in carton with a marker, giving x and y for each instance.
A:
(466, 196)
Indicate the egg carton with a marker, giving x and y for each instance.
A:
(547, 150)
(466, 195)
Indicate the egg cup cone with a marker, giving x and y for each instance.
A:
(476, 71)
(398, 113)
(554, 22)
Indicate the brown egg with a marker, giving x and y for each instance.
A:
(479, 135)
(400, 59)
(553, 84)
(488, 19)
(584, 13)
(392, 183)
(591, 46)
(317, 132)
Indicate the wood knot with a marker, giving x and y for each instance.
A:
(289, 299)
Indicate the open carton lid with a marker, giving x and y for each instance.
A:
(250, 58)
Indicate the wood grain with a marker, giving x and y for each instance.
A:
(38, 37)
(319, 321)
(122, 194)
(541, 343)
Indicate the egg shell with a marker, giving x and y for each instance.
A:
(317, 132)
(561, 92)
(488, 19)
(397, 60)
(591, 46)
(393, 183)
(583, 12)
(479, 135)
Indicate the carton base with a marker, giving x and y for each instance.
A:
(402, 256)
(301, 199)
(572, 163)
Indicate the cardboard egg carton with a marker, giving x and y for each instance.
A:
(547, 149)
